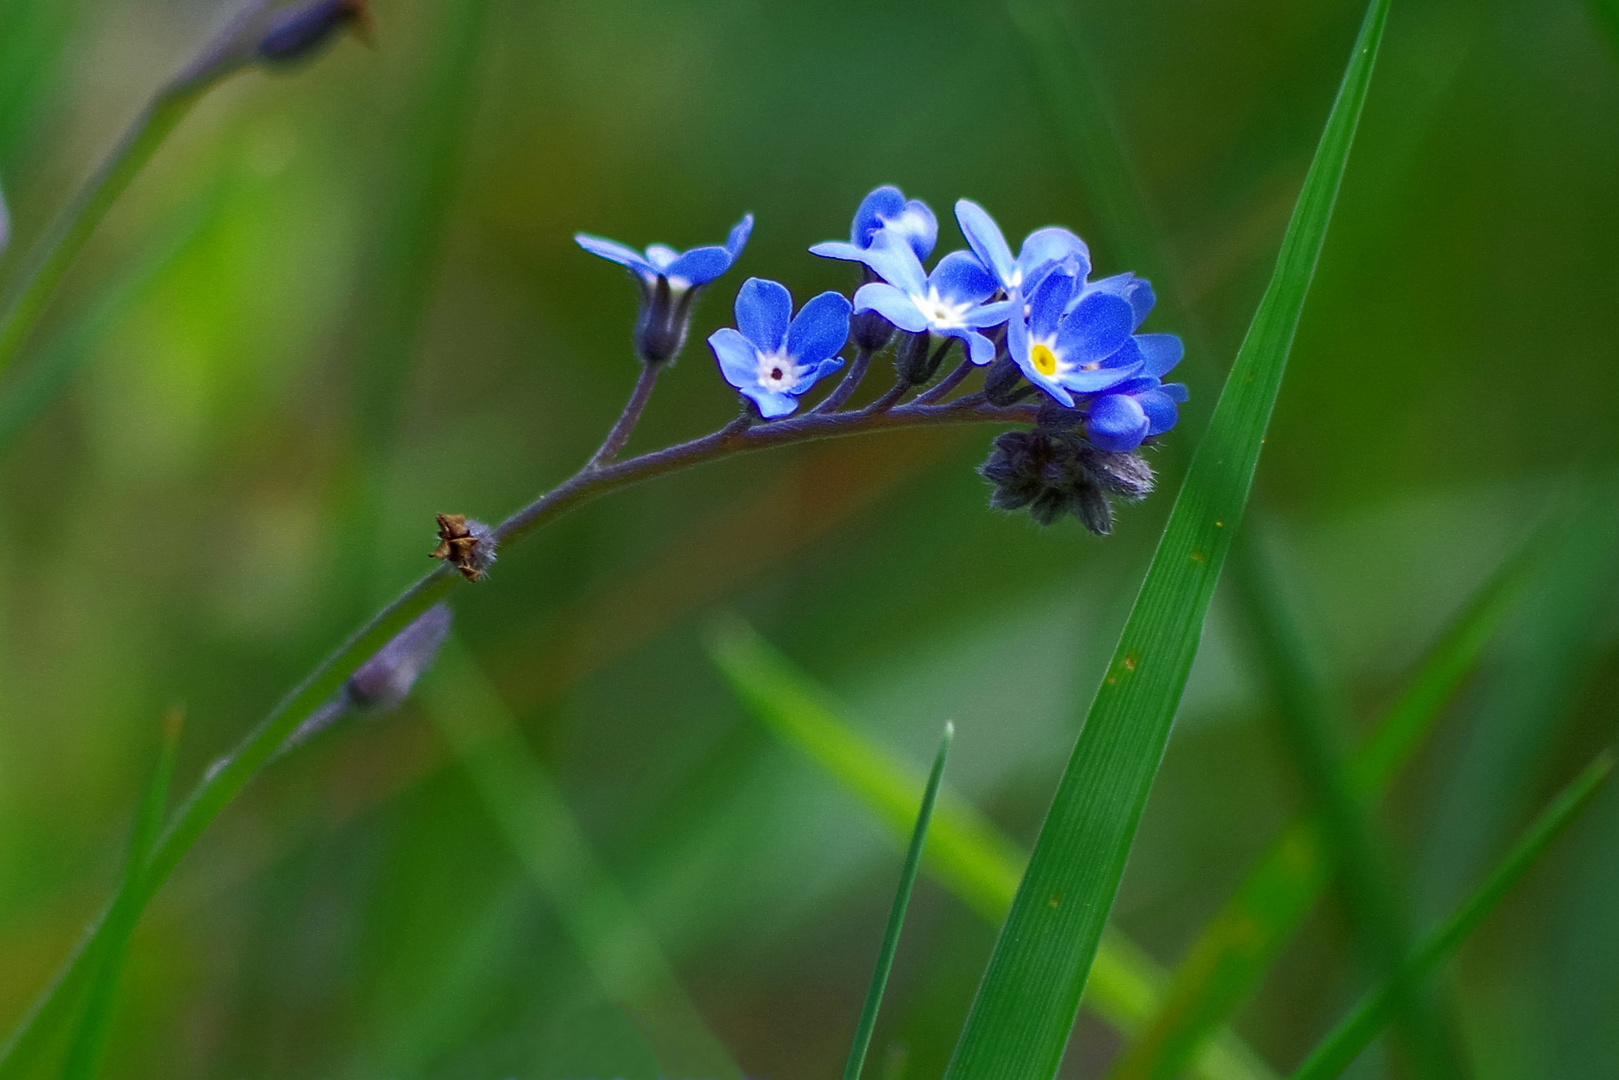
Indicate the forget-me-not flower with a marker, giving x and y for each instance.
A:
(885, 210)
(670, 281)
(1143, 405)
(950, 302)
(1043, 250)
(773, 358)
(1072, 350)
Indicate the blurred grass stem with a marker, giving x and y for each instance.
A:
(48, 262)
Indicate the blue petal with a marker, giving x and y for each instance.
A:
(892, 305)
(1117, 423)
(1048, 302)
(1160, 409)
(772, 404)
(1142, 299)
(763, 309)
(986, 240)
(1018, 347)
(1091, 380)
(1095, 329)
(961, 278)
(820, 329)
(980, 350)
(916, 225)
(1176, 391)
(739, 363)
(814, 374)
(699, 266)
(1053, 245)
(739, 236)
(884, 202)
(985, 315)
(892, 259)
(661, 256)
(613, 251)
(1161, 351)
(839, 249)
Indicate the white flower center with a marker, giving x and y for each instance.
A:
(940, 313)
(778, 372)
(908, 223)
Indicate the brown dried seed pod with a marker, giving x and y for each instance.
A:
(467, 545)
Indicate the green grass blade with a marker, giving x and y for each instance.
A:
(1339, 1049)
(1239, 943)
(89, 1042)
(966, 853)
(1025, 1009)
(620, 950)
(1314, 721)
(896, 915)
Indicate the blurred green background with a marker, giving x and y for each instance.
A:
(345, 298)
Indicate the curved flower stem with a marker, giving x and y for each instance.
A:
(227, 779)
(887, 401)
(848, 385)
(46, 265)
(947, 384)
(627, 420)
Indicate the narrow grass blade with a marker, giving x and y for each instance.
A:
(966, 853)
(620, 950)
(1339, 1049)
(896, 916)
(89, 1042)
(1239, 943)
(1025, 1009)
(1314, 722)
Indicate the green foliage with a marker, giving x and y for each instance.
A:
(1339, 1049)
(1056, 922)
(967, 854)
(896, 915)
(1238, 945)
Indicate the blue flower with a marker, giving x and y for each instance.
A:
(1043, 250)
(949, 302)
(885, 210)
(774, 361)
(683, 270)
(670, 281)
(1144, 405)
(1068, 348)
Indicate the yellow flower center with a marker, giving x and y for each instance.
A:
(1045, 361)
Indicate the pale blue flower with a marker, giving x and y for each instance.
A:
(774, 358)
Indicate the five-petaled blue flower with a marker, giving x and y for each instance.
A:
(773, 360)
(670, 281)
(1067, 348)
(885, 210)
(1143, 405)
(949, 302)
(1043, 250)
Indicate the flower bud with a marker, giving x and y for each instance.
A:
(382, 683)
(660, 329)
(869, 330)
(1052, 473)
(912, 360)
(300, 31)
(1001, 381)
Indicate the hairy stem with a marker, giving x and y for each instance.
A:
(849, 383)
(947, 384)
(627, 420)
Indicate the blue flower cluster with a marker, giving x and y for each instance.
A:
(1036, 321)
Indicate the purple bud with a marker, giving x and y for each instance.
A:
(300, 31)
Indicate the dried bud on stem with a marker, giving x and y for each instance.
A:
(467, 545)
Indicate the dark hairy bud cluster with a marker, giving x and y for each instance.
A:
(1053, 474)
